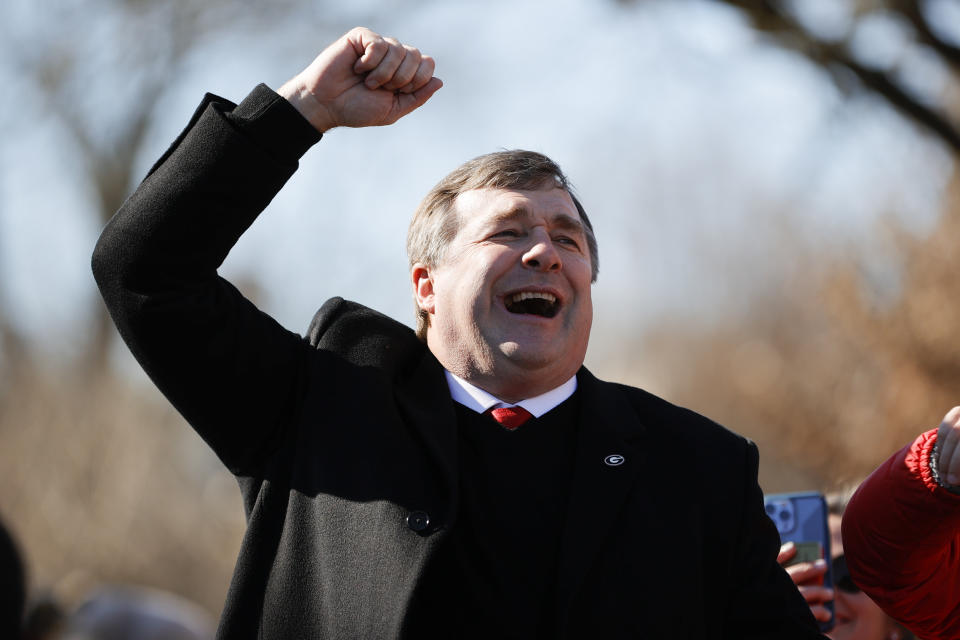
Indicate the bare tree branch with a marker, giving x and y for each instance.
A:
(770, 17)
(911, 10)
(881, 84)
(150, 43)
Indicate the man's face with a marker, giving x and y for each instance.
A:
(509, 304)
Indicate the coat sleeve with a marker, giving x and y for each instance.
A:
(234, 373)
(901, 538)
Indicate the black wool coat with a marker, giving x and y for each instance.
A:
(344, 440)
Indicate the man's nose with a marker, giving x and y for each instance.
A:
(542, 254)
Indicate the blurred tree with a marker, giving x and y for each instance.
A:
(835, 369)
(12, 344)
(101, 67)
(906, 52)
(101, 478)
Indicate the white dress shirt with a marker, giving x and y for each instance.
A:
(473, 397)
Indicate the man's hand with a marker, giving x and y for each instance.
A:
(808, 576)
(948, 442)
(362, 80)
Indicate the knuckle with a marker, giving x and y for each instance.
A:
(363, 34)
(953, 416)
(424, 73)
(375, 51)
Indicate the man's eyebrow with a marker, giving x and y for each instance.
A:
(569, 223)
(509, 215)
(560, 220)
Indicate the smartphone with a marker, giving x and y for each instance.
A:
(802, 519)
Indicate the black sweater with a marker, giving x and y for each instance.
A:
(495, 575)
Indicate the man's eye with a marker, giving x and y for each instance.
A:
(568, 241)
(507, 233)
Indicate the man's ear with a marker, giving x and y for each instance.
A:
(423, 288)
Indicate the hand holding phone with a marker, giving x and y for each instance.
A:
(809, 576)
(801, 519)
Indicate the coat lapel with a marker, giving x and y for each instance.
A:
(608, 459)
(424, 400)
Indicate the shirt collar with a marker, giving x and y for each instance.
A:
(475, 398)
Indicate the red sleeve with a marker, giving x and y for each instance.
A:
(901, 538)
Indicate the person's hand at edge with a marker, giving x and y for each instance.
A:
(808, 576)
(362, 80)
(948, 447)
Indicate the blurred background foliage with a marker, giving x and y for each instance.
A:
(829, 366)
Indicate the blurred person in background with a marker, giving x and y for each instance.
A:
(39, 617)
(13, 585)
(470, 479)
(45, 618)
(902, 533)
(856, 616)
(136, 613)
(117, 612)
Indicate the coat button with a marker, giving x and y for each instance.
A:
(418, 520)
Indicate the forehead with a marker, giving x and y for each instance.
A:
(479, 206)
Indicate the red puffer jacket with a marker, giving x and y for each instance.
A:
(901, 538)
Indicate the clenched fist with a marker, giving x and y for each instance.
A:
(362, 80)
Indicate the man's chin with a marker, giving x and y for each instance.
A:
(531, 356)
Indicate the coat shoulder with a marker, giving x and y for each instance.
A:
(363, 336)
(672, 423)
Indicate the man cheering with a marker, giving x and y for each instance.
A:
(471, 479)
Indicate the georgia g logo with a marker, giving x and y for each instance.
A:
(614, 460)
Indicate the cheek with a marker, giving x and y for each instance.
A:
(581, 277)
(586, 304)
(464, 295)
(865, 612)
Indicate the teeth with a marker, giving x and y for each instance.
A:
(533, 295)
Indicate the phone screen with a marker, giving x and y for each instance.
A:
(807, 551)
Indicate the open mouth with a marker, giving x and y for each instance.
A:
(537, 303)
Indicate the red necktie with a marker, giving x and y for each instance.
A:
(510, 417)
